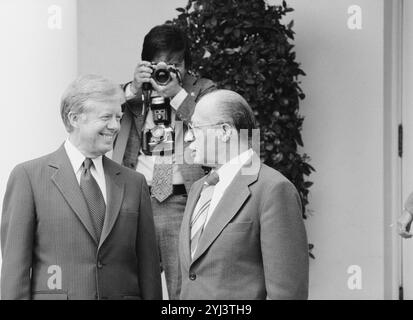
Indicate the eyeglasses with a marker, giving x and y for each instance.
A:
(192, 127)
(190, 135)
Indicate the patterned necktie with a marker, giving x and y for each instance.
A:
(93, 196)
(162, 186)
(200, 214)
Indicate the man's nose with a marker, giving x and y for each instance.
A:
(114, 124)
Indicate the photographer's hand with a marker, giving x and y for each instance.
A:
(404, 223)
(170, 90)
(142, 74)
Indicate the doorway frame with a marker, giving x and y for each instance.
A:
(393, 123)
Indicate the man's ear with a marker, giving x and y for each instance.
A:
(74, 119)
(226, 132)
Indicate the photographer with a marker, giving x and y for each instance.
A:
(148, 120)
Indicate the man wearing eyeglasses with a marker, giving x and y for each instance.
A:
(242, 235)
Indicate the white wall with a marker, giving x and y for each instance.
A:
(36, 65)
(343, 134)
(111, 33)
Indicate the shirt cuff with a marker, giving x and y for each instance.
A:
(178, 99)
(128, 91)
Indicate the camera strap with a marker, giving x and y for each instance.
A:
(146, 104)
(179, 77)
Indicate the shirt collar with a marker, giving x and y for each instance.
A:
(76, 158)
(228, 170)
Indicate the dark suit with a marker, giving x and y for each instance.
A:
(46, 223)
(253, 247)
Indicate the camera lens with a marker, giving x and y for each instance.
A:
(162, 76)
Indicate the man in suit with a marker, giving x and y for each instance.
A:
(242, 235)
(75, 224)
(169, 178)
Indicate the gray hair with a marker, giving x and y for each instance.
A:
(87, 88)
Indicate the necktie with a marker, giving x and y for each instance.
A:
(162, 186)
(200, 214)
(93, 196)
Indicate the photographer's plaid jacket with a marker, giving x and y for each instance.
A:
(129, 141)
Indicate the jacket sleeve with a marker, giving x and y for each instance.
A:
(202, 87)
(17, 236)
(284, 244)
(149, 271)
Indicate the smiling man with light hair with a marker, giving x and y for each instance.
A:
(75, 224)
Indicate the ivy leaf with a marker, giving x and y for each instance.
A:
(246, 48)
(228, 30)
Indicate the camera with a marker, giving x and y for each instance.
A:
(160, 139)
(161, 73)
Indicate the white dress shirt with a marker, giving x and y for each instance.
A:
(76, 159)
(146, 163)
(226, 174)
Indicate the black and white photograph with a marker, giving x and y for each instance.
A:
(208, 150)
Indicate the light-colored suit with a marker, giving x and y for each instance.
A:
(46, 230)
(253, 247)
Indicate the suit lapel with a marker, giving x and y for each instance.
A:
(115, 189)
(232, 200)
(65, 180)
(189, 209)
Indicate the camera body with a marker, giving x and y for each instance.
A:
(161, 72)
(160, 139)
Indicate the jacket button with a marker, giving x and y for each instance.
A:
(100, 265)
(192, 276)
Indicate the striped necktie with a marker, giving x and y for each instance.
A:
(200, 213)
(93, 196)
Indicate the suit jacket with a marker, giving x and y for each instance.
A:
(129, 140)
(254, 245)
(49, 247)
